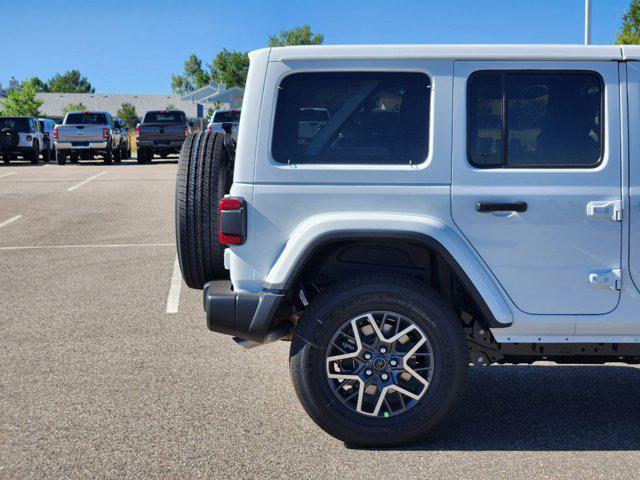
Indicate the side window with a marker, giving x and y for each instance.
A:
(534, 119)
(352, 118)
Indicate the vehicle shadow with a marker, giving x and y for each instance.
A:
(19, 164)
(543, 408)
(125, 163)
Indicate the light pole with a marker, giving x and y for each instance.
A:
(587, 22)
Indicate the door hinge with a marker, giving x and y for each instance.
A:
(611, 210)
(606, 279)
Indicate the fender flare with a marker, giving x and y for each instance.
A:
(320, 230)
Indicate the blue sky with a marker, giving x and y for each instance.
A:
(134, 46)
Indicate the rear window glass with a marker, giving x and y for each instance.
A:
(86, 119)
(535, 119)
(223, 117)
(352, 118)
(165, 117)
(19, 124)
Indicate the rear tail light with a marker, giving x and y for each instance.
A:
(29, 138)
(105, 134)
(55, 133)
(208, 129)
(186, 131)
(232, 221)
(137, 131)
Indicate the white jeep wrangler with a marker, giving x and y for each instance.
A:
(449, 205)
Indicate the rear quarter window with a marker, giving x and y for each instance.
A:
(352, 118)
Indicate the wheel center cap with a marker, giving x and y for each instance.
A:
(379, 363)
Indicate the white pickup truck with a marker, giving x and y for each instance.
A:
(86, 134)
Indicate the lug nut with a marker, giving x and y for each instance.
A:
(393, 363)
(383, 350)
(368, 372)
(367, 356)
(384, 376)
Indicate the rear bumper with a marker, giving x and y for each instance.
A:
(81, 145)
(19, 150)
(170, 145)
(249, 316)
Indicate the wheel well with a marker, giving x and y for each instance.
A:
(428, 263)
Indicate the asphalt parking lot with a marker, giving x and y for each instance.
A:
(108, 370)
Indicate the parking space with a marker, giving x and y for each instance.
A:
(108, 369)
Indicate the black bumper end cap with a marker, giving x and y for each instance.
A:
(241, 314)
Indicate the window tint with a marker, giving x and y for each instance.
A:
(228, 116)
(21, 124)
(352, 118)
(542, 119)
(87, 118)
(165, 117)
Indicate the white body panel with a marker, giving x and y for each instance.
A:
(542, 286)
(543, 257)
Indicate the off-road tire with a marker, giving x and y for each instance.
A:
(34, 155)
(351, 297)
(117, 155)
(46, 155)
(143, 156)
(108, 155)
(61, 157)
(204, 177)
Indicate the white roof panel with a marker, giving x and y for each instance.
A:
(452, 52)
(631, 52)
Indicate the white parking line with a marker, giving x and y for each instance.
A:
(121, 245)
(7, 174)
(173, 299)
(11, 220)
(85, 181)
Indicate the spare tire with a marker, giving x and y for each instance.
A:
(9, 138)
(204, 177)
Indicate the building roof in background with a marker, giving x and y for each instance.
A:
(54, 103)
(203, 92)
(232, 96)
(217, 92)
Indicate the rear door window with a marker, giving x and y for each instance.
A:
(352, 118)
(535, 119)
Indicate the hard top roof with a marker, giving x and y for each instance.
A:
(458, 52)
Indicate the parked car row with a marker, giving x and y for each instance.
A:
(85, 135)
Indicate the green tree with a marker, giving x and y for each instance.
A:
(69, 82)
(171, 106)
(73, 107)
(215, 107)
(37, 83)
(630, 33)
(193, 77)
(128, 114)
(296, 36)
(22, 102)
(230, 67)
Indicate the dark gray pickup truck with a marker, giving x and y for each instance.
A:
(161, 132)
